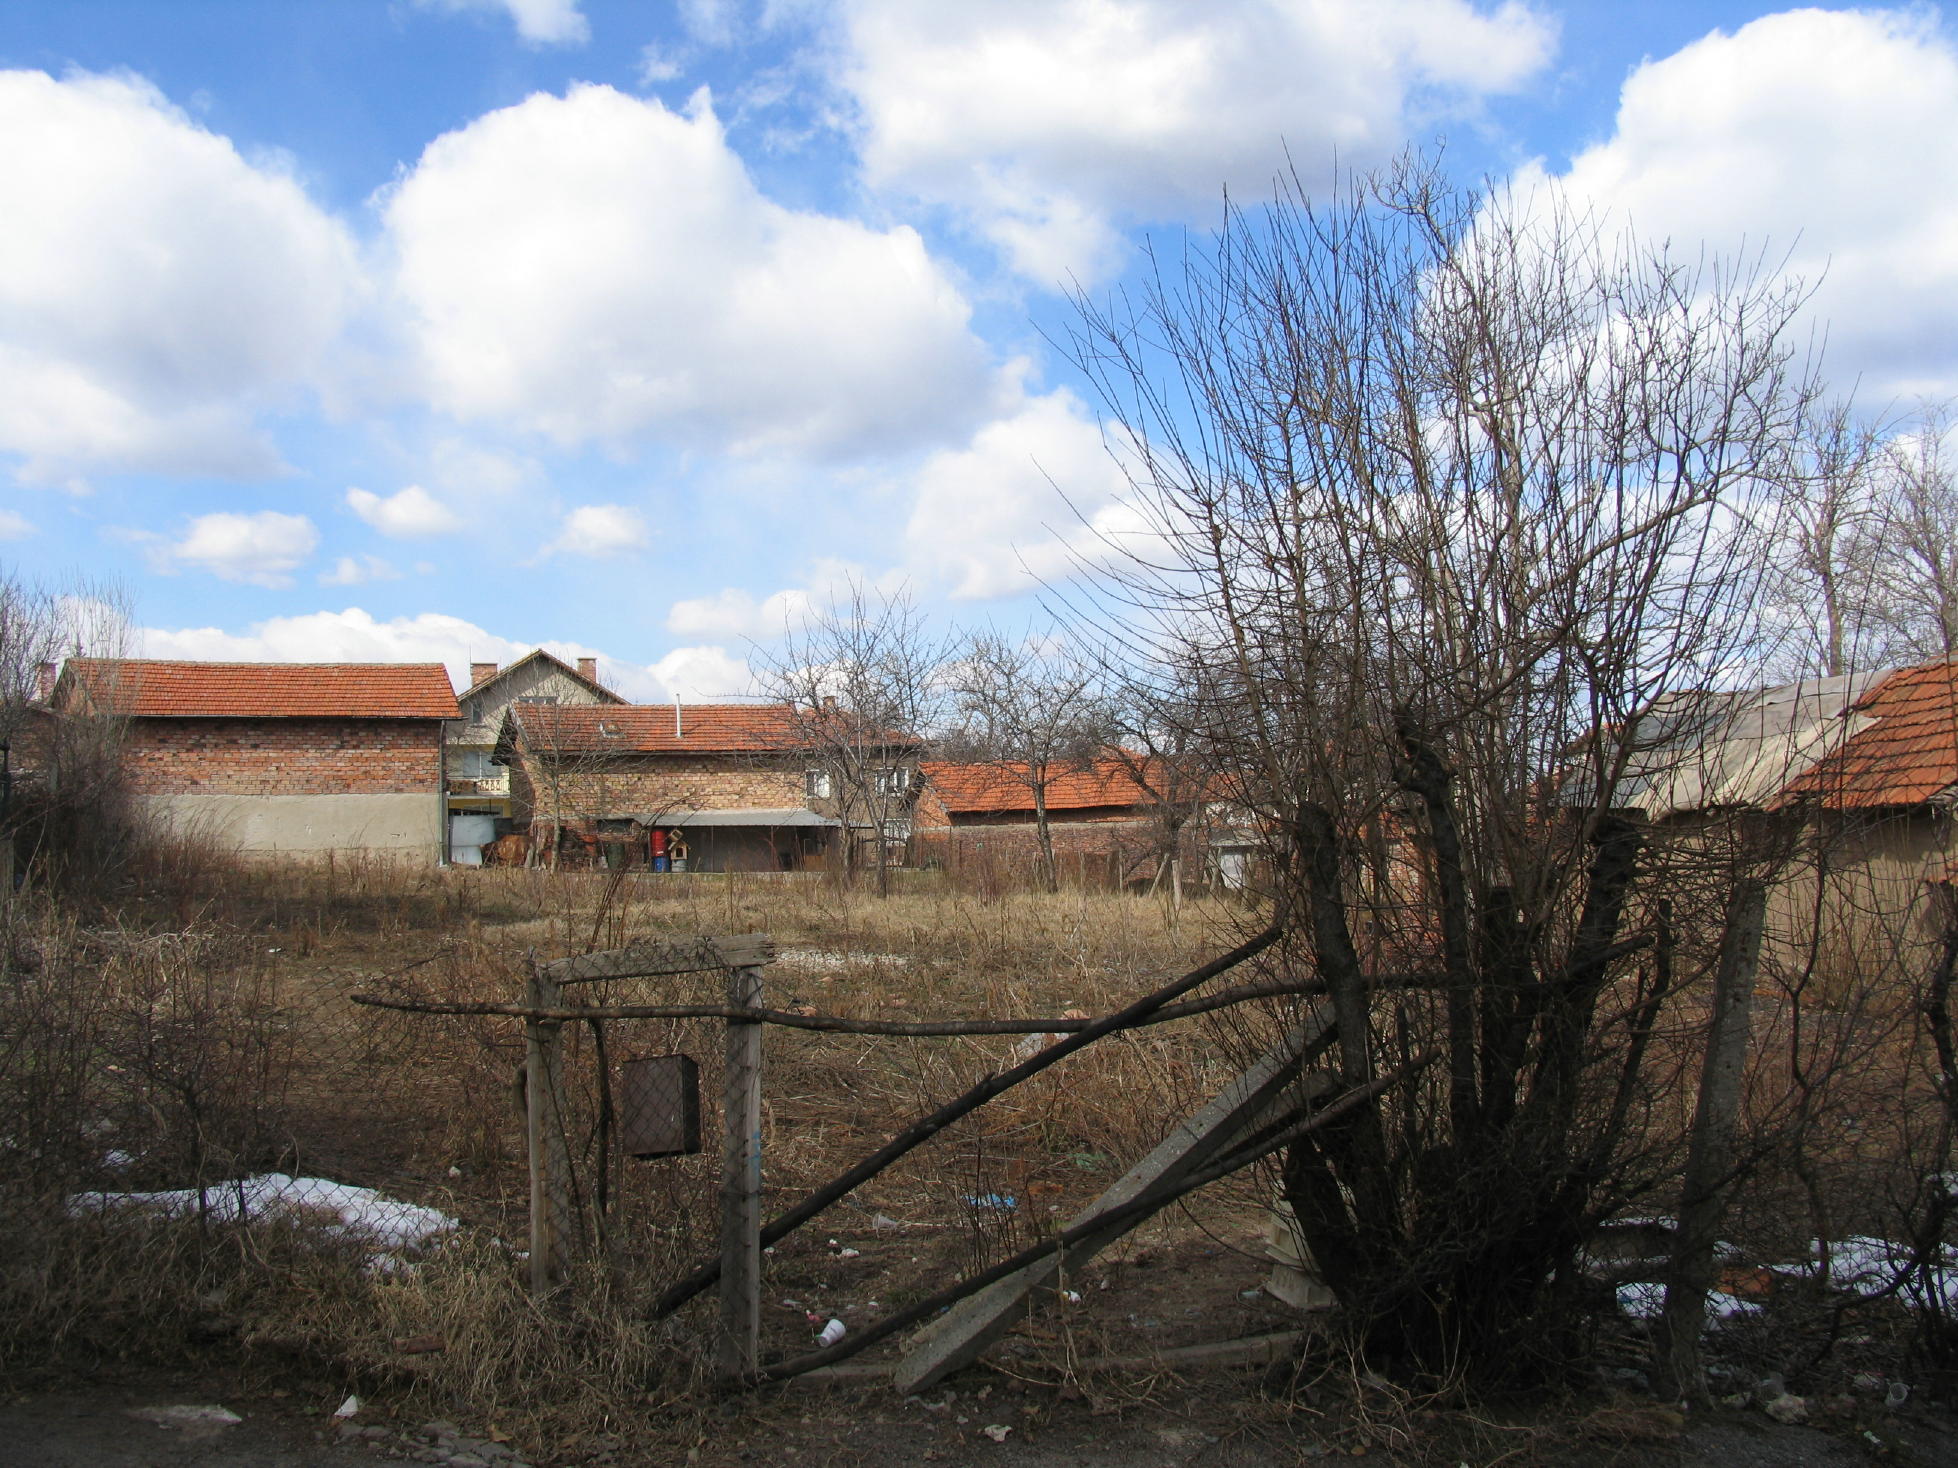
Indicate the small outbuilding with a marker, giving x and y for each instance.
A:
(302, 758)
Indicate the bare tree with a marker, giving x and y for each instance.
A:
(1912, 552)
(1155, 737)
(1031, 708)
(860, 680)
(1447, 490)
(1826, 523)
(63, 787)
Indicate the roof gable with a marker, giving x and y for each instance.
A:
(159, 689)
(503, 674)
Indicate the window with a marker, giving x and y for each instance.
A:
(538, 698)
(474, 764)
(893, 780)
(816, 784)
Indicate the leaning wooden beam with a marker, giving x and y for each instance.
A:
(791, 1019)
(1250, 1350)
(958, 1338)
(1154, 1200)
(654, 956)
(927, 1127)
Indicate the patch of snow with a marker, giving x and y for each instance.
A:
(829, 959)
(188, 1416)
(1646, 1300)
(339, 1210)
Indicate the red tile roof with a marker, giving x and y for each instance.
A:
(703, 728)
(155, 689)
(1906, 756)
(1003, 787)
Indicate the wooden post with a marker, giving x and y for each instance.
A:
(550, 1164)
(738, 1351)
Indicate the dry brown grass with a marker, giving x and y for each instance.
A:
(229, 994)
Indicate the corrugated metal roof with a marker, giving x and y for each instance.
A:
(162, 689)
(689, 820)
(1720, 749)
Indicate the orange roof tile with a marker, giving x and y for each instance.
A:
(650, 728)
(1003, 787)
(1907, 755)
(157, 689)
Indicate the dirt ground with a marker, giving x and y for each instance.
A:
(1202, 1421)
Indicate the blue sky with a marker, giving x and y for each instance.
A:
(418, 329)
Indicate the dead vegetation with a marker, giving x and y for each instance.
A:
(142, 1052)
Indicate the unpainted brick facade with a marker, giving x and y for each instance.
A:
(283, 756)
(586, 787)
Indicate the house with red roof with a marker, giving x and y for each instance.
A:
(718, 786)
(1110, 819)
(480, 804)
(1856, 777)
(302, 758)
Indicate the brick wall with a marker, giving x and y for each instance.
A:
(283, 756)
(624, 784)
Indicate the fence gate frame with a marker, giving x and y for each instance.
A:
(545, 1012)
(1274, 1090)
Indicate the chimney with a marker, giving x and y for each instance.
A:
(678, 731)
(44, 676)
(479, 671)
(588, 668)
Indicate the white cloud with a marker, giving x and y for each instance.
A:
(600, 530)
(735, 613)
(262, 549)
(1831, 136)
(1052, 124)
(539, 22)
(657, 64)
(409, 512)
(597, 267)
(469, 469)
(14, 526)
(155, 288)
(358, 570)
(1007, 511)
(702, 674)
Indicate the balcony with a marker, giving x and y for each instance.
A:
(498, 784)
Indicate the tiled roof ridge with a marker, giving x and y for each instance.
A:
(196, 688)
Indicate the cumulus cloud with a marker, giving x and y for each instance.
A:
(155, 287)
(703, 674)
(358, 570)
(735, 613)
(1052, 124)
(261, 549)
(1030, 496)
(539, 22)
(595, 267)
(600, 530)
(14, 526)
(1831, 136)
(406, 513)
